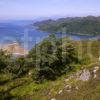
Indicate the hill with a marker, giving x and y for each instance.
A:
(77, 85)
(21, 80)
(78, 25)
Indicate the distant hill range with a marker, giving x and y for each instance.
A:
(14, 49)
(89, 25)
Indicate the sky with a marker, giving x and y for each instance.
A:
(30, 9)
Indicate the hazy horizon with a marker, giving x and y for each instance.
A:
(40, 9)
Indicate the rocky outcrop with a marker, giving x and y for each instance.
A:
(83, 75)
(53, 98)
(95, 70)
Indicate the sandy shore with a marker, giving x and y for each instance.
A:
(14, 48)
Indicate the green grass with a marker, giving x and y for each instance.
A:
(25, 88)
(5, 77)
(89, 90)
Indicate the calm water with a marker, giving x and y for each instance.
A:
(26, 34)
(23, 33)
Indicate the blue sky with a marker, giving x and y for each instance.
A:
(30, 9)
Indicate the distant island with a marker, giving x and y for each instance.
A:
(89, 25)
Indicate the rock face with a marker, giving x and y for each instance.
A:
(70, 83)
(68, 88)
(53, 99)
(95, 70)
(14, 49)
(60, 91)
(85, 75)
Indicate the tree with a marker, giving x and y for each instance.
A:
(5, 60)
(48, 57)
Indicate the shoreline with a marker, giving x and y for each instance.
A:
(14, 48)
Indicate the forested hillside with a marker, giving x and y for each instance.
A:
(78, 25)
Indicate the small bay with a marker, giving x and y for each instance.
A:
(26, 34)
